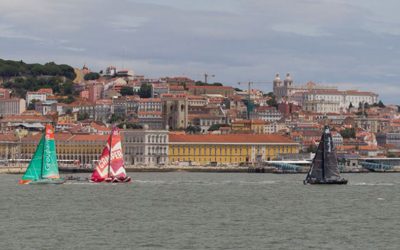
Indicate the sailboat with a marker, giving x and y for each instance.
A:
(324, 167)
(43, 168)
(111, 164)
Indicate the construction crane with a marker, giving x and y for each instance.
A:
(206, 75)
(249, 104)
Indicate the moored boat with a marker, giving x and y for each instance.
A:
(324, 167)
(43, 167)
(110, 168)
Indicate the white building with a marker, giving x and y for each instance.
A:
(39, 96)
(13, 106)
(144, 146)
(341, 99)
(321, 106)
(268, 114)
(274, 127)
(313, 92)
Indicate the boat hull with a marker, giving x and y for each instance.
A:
(48, 181)
(113, 180)
(326, 182)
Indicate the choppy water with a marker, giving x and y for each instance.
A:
(202, 211)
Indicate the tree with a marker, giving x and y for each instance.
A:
(145, 91)
(216, 127)
(126, 90)
(193, 129)
(83, 116)
(348, 133)
(272, 100)
(129, 125)
(351, 105)
(114, 118)
(391, 155)
(91, 76)
(312, 149)
(31, 105)
(380, 104)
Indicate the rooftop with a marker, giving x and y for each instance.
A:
(229, 138)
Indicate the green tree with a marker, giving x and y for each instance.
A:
(272, 100)
(145, 91)
(115, 118)
(351, 105)
(215, 127)
(380, 104)
(91, 76)
(391, 155)
(83, 116)
(126, 90)
(348, 133)
(312, 149)
(193, 129)
(129, 125)
(31, 105)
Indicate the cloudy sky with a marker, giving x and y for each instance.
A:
(352, 44)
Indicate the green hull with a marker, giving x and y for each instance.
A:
(48, 181)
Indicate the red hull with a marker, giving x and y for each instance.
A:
(113, 180)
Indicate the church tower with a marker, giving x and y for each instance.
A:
(277, 84)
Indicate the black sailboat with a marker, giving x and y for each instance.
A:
(324, 167)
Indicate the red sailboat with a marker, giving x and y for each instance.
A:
(111, 164)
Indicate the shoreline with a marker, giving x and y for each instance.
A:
(252, 170)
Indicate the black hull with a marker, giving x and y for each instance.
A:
(326, 182)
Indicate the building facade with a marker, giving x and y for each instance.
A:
(228, 148)
(175, 111)
(13, 106)
(145, 146)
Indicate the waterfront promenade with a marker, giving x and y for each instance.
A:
(175, 168)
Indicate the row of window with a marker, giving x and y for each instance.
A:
(228, 149)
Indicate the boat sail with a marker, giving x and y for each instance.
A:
(324, 167)
(111, 164)
(43, 168)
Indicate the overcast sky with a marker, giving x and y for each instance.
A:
(352, 44)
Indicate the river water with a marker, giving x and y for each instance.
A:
(202, 211)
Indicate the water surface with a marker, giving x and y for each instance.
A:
(202, 211)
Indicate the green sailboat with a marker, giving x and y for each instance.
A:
(43, 168)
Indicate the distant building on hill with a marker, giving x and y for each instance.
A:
(12, 106)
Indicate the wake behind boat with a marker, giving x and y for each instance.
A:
(324, 167)
(111, 164)
(43, 168)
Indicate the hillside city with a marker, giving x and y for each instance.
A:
(179, 121)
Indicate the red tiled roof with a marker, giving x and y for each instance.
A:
(8, 138)
(210, 87)
(150, 100)
(229, 138)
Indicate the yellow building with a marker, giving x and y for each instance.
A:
(248, 126)
(8, 147)
(78, 148)
(228, 148)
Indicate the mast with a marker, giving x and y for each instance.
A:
(323, 155)
(44, 145)
(109, 151)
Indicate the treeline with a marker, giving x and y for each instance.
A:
(21, 77)
(9, 69)
(20, 86)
